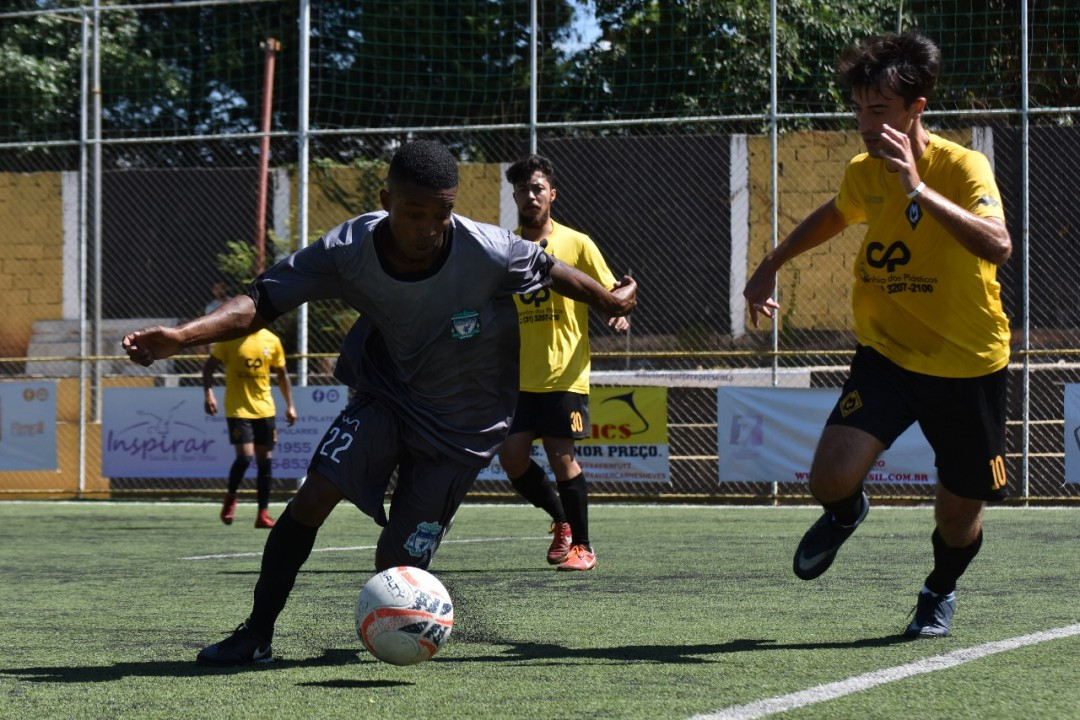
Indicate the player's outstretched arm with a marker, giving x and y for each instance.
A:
(576, 285)
(285, 385)
(209, 401)
(819, 226)
(235, 318)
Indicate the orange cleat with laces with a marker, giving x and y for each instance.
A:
(581, 557)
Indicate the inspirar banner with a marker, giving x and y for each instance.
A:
(164, 432)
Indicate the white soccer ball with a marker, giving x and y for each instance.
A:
(404, 615)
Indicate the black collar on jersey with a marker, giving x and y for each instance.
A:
(378, 236)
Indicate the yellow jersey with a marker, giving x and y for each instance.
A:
(555, 329)
(920, 298)
(247, 362)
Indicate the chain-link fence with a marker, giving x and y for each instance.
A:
(688, 138)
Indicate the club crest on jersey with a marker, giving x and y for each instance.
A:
(423, 540)
(914, 214)
(465, 324)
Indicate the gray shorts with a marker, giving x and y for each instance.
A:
(359, 454)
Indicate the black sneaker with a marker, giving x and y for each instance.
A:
(822, 541)
(243, 647)
(933, 613)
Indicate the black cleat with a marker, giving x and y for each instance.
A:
(933, 613)
(243, 647)
(821, 542)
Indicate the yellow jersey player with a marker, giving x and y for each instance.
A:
(249, 411)
(933, 339)
(554, 399)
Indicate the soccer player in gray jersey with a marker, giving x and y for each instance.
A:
(433, 360)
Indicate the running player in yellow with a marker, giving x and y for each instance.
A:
(249, 411)
(933, 339)
(554, 399)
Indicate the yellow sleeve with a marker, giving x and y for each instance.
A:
(979, 191)
(591, 262)
(847, 201)
(277, 358)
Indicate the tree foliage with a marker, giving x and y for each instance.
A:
(198, 70)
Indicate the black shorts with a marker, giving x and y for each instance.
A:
(552, 414)
(261, 431)
(360, 452)
(963, 419)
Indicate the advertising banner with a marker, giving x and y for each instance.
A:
(1072, 433)
(164, 432)
(769, 435)
(28, 425)
(629, 440)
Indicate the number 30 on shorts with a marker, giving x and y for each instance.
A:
(336, 442)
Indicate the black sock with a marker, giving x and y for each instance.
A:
(287, 548)
(949, 563)
(262, 482)
(575, 498)
(236, 472)
(846, 511)
(534, 487)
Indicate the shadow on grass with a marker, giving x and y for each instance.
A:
(119, 671)
(356, 684)
(664, 654)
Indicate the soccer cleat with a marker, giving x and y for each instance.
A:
(228, 508)
(560, 544)
(262, 520)
(579, 558)
(933, 613)
(243, 647)
(821, 542)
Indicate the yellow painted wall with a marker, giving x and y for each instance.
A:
(31, 247)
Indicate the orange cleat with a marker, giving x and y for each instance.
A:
(560, 544)
(580, 558)
(228, 509)
(262, 520)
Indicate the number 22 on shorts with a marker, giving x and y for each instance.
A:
(337, 440)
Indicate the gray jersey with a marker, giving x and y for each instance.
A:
(442, 349)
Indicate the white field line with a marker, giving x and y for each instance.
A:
(831, 691)
(462, 541)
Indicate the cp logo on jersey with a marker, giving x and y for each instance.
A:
(897, 254)
(537, 298)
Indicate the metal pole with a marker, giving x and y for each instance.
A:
(774, 183)
(96, 200)
(302, 179)
(534, 73)
(1025, 192)
(270, 47)
(83, 345)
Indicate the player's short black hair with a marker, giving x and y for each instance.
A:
(906, 64)
(425, 163)
(523, 169)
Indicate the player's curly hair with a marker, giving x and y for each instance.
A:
(523, 169)
(424, 163)
(906, 64)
